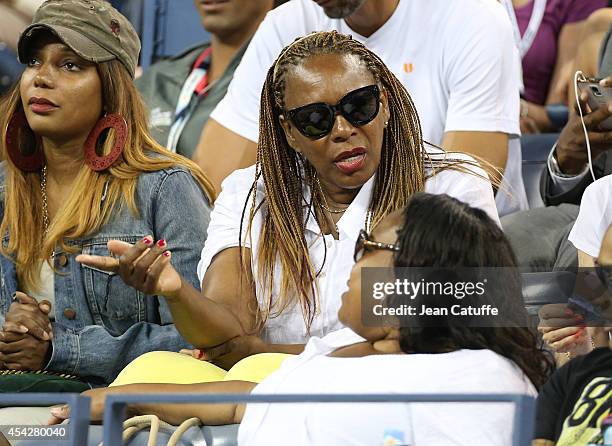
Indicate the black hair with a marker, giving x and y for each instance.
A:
(441, 231)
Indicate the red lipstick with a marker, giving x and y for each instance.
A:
(351, 161)
(41, 105)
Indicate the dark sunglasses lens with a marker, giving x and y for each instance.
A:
(361, 106)
(314, 121)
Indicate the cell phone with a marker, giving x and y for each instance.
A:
(598, 96)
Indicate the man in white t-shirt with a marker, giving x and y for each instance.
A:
(457, 58)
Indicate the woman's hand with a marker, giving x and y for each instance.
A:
(232, 351)
(145, 266)
(534, 118)
(98, 397)
(563, 330)
(23, 352)
(26, 315)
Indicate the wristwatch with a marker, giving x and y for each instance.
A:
(555, 169)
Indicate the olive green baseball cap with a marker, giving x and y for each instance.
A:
(93, 29)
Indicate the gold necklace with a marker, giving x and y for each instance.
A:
(324, 205)
(45, 203)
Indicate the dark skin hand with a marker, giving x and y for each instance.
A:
(240, 347)
(571, 150)
(232, 351)
(23, 352)
(26, 315)
(25, 340)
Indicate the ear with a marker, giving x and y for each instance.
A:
(289, 129)
(384, 108)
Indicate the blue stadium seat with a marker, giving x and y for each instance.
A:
(535, 150)
(168, 28)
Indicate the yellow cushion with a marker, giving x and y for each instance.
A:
(168, 368)
(176, 368)
(256, 368)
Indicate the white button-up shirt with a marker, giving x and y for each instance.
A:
(289, 327)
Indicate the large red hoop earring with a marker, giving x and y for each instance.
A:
(28, 163)
(92, 159)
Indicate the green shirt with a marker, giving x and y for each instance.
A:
(160, 87)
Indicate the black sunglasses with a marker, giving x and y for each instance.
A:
(358, 107)
(365, 242)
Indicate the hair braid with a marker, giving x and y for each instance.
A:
(400, 174)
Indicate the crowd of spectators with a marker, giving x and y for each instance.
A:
(203, 225)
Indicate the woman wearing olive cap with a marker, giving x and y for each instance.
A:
(81, 169)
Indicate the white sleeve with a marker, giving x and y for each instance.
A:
(483, 74)
(472, 189)
(224, 226)
(594, 217)
(238, 111)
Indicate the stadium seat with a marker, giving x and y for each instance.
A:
(535, 150)
(169, 28)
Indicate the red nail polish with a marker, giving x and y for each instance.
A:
(167, 254)
(147, 240)
(579, 317)
(161, 243)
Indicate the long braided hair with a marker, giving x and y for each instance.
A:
(285, 173)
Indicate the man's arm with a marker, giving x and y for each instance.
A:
(482, 78)
(490, 146)
(221, 151)
(563, 75)
(587, 56)
(566, 181)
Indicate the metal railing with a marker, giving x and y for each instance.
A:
(523, 424)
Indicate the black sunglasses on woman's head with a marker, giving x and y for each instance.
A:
(358, 107)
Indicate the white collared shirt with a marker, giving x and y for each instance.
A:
(289, 327)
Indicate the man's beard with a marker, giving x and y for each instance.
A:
(343, 8)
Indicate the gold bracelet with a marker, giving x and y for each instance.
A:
(524, 108)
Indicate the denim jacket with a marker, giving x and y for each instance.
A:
(101, 324)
